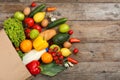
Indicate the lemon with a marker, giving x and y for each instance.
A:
(65, 52)
(38, 17)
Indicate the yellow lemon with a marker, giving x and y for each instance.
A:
(65, 52)
(38, 17)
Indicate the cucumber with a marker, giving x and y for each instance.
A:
(60, 38)
(37, 9)
(56, 23)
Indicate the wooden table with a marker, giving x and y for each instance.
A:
(96, 23)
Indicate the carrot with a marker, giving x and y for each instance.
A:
(50, 9)
(72, 60)
(74, 40)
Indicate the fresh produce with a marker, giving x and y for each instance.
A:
(32, 55)
(48, 34)
(75, 51)
(54, 46)
(26, 11)
(33, 4)
(33, 67)
(36, 26)
(26, 45)
(51, 69)
(20, 54)
(27, 32)
(74, 40)
(19, 15)
(38, 17)
(63, 28)
(72, 60)
(56, 23)
(37, 9)
(44, 23)
(39, 43)
(29, 22)
(70, 32)
(50, 9)
(65, 52)
(46, 58)
(60, 38)
(34, 33)
(44, 51)
(67, 44)
(14, 29)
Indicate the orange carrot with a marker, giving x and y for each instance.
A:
(50, 9)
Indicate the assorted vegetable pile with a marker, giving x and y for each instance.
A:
(42, 47)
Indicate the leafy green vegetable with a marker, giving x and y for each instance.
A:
(14, 29)
(51, 69)
(20, 54)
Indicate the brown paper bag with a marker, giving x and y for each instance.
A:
(11, 66)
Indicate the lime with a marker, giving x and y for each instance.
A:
(63, 28)
(34, 33)
(65, 52)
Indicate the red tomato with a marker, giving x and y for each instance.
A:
(29, 22)
(36, 26)
(33, 4)
(27, 32)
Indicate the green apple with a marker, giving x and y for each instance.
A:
(63, 28)
(19, 15)
(34, 33)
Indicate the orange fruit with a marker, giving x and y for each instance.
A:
(46, 58)
(26, 45)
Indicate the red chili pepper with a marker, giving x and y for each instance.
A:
(33, 67)
(75, 51)
(33, 4)
(72, 60)
(74, 40)
(70, 32)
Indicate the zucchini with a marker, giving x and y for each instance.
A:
(37, 9)
(60, 38)
(56, 23)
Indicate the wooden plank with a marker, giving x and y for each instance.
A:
(73, 11)
(88, 71)
(97, 52)
(96, 31)
(71, 1)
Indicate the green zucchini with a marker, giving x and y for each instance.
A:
(60, 38)
(37, 9)
(56, 23)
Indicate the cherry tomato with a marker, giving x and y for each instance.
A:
(27, 32)
(75, 51)
(70, 32)
(29, 22)
(36, 26)
(33, 4)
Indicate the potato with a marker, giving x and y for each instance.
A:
(48, 34)
(67, 44)
(26, 11)
(44, 23)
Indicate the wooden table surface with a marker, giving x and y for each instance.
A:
(96, 23)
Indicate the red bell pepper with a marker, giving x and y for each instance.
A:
(33, 67)
(74, 40)
(72, 60)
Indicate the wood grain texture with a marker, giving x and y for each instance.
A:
(97, 52)
(73, 11)
(88, 71)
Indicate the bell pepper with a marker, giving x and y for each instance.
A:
(33, 67)
(40, 43)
